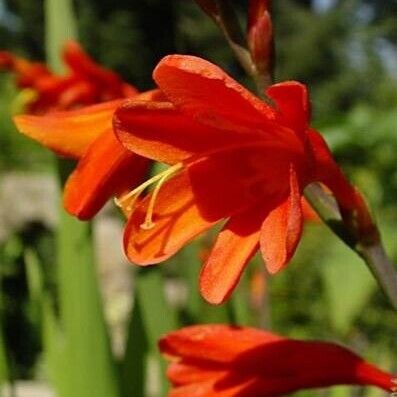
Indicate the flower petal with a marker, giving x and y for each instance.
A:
(234, 247)
(159, 131)
(107, 169)
(259, 363)
(282, 229)
(177, 221)
(328, 172)
(292, 100)
(69, 133)
(184, 371)
(204, 91)
(81, 64)
(215, 342)
(235, 179)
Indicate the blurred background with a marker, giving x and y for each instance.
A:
(346, 51)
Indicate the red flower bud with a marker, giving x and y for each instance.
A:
(260, 34)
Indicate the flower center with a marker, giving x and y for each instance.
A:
(128, 201)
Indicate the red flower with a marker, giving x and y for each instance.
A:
(223, 361)
(233, 157)
(85, 83)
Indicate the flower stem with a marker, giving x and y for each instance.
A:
(370, 250)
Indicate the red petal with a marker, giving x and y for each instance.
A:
(158, 131)
(69, 133)
(205, 92)
(263, 364)
(177, 221)
(106, 170)
(234, 247)
(218, 343)
(230, 181)
(80, 63)
(328, 172)
(292, 101)
(182, 373)
(282, 229)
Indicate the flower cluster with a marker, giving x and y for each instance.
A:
(232, 159)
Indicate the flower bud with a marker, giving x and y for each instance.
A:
(260, 34)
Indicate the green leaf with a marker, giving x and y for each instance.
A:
(85, 359)
(3, 359)
(60, 26)
(91, 365)
(158, 317)
(134, 365)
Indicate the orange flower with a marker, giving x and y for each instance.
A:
(223, 361)
(105, 168)
(232, 157)
(85, 83)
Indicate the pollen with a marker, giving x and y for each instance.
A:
(128, 201)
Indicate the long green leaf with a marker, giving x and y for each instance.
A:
(158, 317)
(60, 26)
(134, 366)
(87, 358)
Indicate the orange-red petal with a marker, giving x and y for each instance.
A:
(69, 133)
(328, 172)
(282, 229)
(238, 178)
(212, 360)
(107, 169)
(204, 91)
(177, 221)
(159, 131)
(234, 247)
(292, 101)
(217, 343)
(81, 64)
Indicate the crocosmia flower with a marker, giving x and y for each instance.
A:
(84, 83)
(105, 168)
(233, 157)
(223, 361)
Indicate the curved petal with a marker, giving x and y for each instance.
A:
(204, 91)
(234, 247)
(159, 131)
(292, 100)
(69, 133)
(215, 342)
(328, 172)
(282, 229)
(177, 221)
(107, 169)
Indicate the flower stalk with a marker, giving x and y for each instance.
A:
(367, 245)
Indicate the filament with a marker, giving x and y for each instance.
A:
(133, 196)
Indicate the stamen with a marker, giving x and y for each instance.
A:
(133, 196)
(24, 98)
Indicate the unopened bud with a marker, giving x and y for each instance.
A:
(260, 34)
